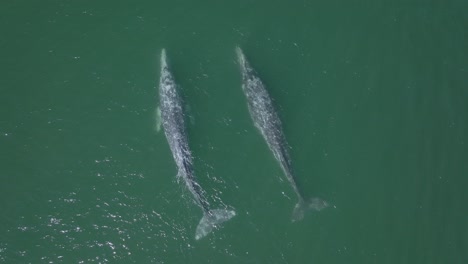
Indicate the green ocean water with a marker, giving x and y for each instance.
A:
(373, 96)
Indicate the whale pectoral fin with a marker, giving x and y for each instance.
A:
(179, 176)
(157, 126)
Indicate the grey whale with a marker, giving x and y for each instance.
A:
(267, 121)
(172, 118)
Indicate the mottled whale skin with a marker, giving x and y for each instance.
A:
(172, 118)
(267, 121)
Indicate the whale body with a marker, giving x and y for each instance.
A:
(267, 121)
(172, 119)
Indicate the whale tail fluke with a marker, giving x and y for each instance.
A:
(302, 206)
(211, 220)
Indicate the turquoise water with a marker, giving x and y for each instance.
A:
(373, 98)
